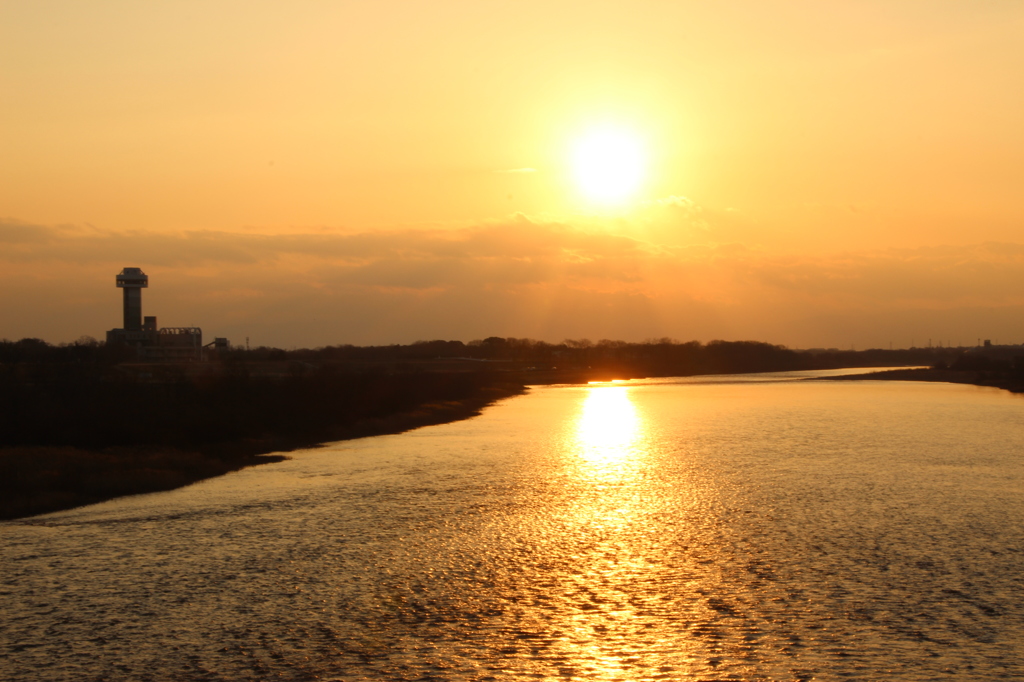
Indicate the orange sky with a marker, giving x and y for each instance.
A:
(312, 173)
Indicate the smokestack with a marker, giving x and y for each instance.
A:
(133, 281)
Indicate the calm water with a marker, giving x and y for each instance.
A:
(742, 528)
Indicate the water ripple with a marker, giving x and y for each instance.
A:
(666, 531)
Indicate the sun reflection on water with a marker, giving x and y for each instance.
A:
(608, 452)
(609, 427)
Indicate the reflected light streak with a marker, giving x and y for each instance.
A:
(611, 455)
(609, 427)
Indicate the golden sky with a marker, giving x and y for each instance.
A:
(313, 173)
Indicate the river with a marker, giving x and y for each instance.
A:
(756, 527)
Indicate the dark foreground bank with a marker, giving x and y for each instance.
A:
(71, 441)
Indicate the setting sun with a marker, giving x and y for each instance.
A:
(608, 165)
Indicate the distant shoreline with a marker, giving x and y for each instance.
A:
(973, 377)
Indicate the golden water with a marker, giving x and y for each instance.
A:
(731, 528)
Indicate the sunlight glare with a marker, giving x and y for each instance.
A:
(608, 165)
(609, 425)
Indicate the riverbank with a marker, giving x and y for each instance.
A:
(991, 379)
(78, 427)
(50, 477)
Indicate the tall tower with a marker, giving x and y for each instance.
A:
(133, 281)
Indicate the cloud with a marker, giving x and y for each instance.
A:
(936, 277)
(517, 170)
(13, 232)
(548, 277)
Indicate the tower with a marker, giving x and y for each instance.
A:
(133, 281)
(150, 342)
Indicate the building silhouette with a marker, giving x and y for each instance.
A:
(142, 334)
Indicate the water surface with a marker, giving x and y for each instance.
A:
(717, 528)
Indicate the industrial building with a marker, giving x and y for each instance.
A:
(182, 344)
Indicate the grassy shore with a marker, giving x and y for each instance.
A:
(44, 478)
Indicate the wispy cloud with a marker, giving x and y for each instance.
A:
(663, 272)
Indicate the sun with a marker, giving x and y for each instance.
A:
(608, 165)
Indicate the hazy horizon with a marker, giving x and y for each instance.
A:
(806, 174)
